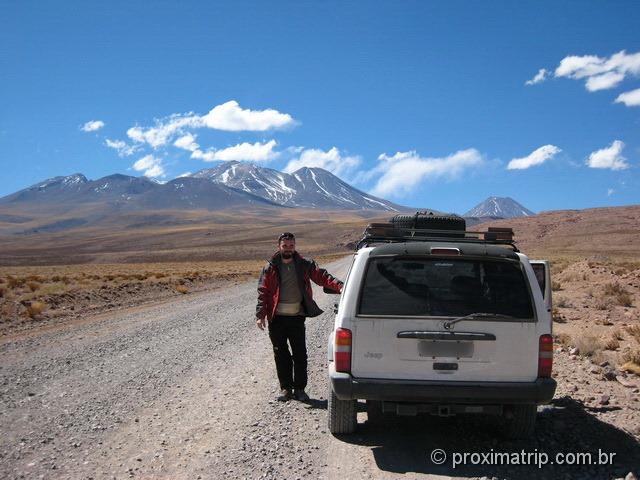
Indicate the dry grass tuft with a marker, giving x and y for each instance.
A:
(631, 361)
(3, 292)
(588, 345)
(634, 331)
(613, 289)
(612, 344)
(33, 285)
(562, 302)
(556, 286)
(182, 289)
(13, 282)
(603, 304)
(557, 316)
(36, 308)
(563, 339)
(617, 334)
(624, 299)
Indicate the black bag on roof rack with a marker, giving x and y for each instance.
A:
(430, 220)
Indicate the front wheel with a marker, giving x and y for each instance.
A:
(342, 414)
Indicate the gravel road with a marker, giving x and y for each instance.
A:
(186, 389)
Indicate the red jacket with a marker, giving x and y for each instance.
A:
(307, 270)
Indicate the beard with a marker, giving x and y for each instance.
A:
(287, 255)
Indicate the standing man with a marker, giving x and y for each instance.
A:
(285, 298)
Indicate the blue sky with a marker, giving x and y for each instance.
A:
(423, 103)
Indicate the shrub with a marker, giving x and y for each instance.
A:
(13, 282)
(624, 299)
(634, 331)
(557, 316)
(182, 289)
(603, 304)
(3, 292)
(631, 361)
(556, 286)
(613, 289)
(562, 339)
(33, 286)
(36, 308)
(612, 344)
(562, 302)
(588, 345)
(617, 334)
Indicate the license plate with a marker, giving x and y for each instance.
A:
(439, 348)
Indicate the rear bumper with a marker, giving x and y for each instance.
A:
(479, 393)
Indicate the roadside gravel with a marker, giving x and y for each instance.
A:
(186, 389)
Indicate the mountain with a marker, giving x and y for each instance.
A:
(228, 185)
(126, 193)
(306, 187)
(499, 207)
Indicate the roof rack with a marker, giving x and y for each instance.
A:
(389, 233)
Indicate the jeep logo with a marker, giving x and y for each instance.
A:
(377, 356)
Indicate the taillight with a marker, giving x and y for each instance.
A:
(342, 350)
(545, 356)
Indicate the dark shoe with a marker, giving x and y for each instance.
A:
(285, 395)
(301, 396)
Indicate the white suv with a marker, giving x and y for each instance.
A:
(443, 323)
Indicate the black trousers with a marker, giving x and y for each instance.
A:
(291, 366)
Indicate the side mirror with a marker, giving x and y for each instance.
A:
(330, 291)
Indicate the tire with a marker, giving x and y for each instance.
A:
(523, 423)
(342, 414)
(429, 220)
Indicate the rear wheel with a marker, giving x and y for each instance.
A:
(342, 414)
(522, 421)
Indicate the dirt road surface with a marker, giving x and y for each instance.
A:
(186, 389)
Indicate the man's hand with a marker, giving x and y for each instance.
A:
(261, 322)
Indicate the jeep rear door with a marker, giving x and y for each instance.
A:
(404, 307)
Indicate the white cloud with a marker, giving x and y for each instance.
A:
(255, 152)
(164, 130)
(604, 82)
(228, 116)
(405, 170)
(609, 157)
(541, 76)
(537, 157)
(332, 160)
(610, 191)
(601, 73)
(150, 166)
(92, 126)
(232, 118)
(123, 149)
(630, 99)
(187, 142)
(185, 174)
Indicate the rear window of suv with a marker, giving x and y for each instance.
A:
(403, 286)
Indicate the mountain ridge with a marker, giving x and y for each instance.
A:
(229, 184)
